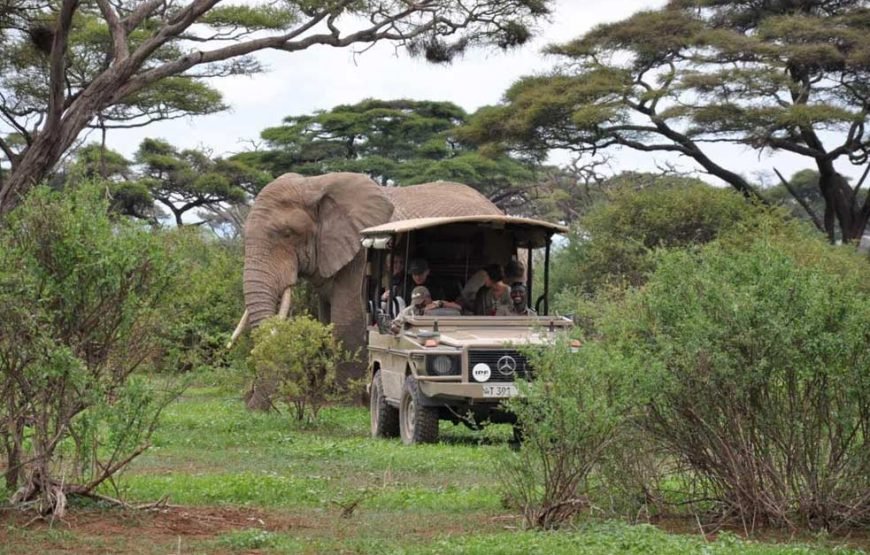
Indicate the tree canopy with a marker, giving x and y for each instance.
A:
(70, 63)
(164, 178)
(395, 142)
(777, 76)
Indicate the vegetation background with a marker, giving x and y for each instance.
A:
(721, 386)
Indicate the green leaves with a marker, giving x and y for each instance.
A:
(401, 142)
(776, 76)
(251, 17)
(79, 293)
(300, 356)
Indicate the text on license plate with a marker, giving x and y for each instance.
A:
(500, 390)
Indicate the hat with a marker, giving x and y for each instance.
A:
(418, 266)
(418, 293)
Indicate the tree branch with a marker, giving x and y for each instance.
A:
(138, 15)
(804, 204)
(119, 35)
(58, 65)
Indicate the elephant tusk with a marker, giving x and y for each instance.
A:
(284, 310)
(243, 323)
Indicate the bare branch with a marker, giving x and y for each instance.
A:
(141, 12)
(119, 35)
(804, 204)
(58, 64)
(10, 155)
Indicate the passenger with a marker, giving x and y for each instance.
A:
(494, 298)
(397, 267)
(514, 272)
(519, 301)
(418, 270)
(420, 298)
(421, 305)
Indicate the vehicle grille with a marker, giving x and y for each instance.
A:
(492, 358)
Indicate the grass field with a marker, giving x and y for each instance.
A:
(238, 482)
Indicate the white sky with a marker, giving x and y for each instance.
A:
(322, 77)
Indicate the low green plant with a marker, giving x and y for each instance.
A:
(246, 540)
(300, 355)
(566, 419)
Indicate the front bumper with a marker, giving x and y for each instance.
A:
(467, 393)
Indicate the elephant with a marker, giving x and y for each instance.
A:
(308, 227)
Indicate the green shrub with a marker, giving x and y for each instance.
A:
(205, 304)
(612, 244)
(78, 297)
(300, 355)
(751, 356)
(567, 418)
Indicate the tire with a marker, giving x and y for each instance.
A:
(516, 441)
(385, 419)
(417, 423)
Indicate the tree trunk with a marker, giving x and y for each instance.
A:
(13, 440)
(841, 205)
(56, 138)
(30, 170)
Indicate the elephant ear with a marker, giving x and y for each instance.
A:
(351, 202)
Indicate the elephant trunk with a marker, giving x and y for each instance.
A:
(269, 278)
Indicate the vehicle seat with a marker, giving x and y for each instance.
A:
(397, 305)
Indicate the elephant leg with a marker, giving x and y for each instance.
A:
(324, 310)
(348, 319)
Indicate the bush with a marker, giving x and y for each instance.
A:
(567, 418)
(203, 308)
(78, 295)
(751, 358)
(613, 243)
(300, 355)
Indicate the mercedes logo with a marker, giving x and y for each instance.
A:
(506, 365)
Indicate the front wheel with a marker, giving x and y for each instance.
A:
(385, 419)
(417, 423)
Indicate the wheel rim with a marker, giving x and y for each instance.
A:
(375, 406)
(408, 416)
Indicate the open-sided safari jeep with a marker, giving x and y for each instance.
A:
(446, 364)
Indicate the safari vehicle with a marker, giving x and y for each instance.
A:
(447, 364)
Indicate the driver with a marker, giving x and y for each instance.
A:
(421, 302)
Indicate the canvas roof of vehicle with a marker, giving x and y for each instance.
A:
(532, 231)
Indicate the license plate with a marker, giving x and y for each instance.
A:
(500, 390)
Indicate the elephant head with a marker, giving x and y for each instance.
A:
(305, 226)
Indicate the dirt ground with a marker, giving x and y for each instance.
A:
(123, 531)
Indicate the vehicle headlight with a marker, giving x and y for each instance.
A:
(442, 365)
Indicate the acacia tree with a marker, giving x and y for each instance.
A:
(183, 181)
(395, 142)
(164, 177)
(153, 43)
(782, 75)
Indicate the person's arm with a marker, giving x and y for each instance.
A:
(445, 304)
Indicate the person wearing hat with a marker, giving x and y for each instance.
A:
(419, 274)
(421, 301)
(519, 302)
